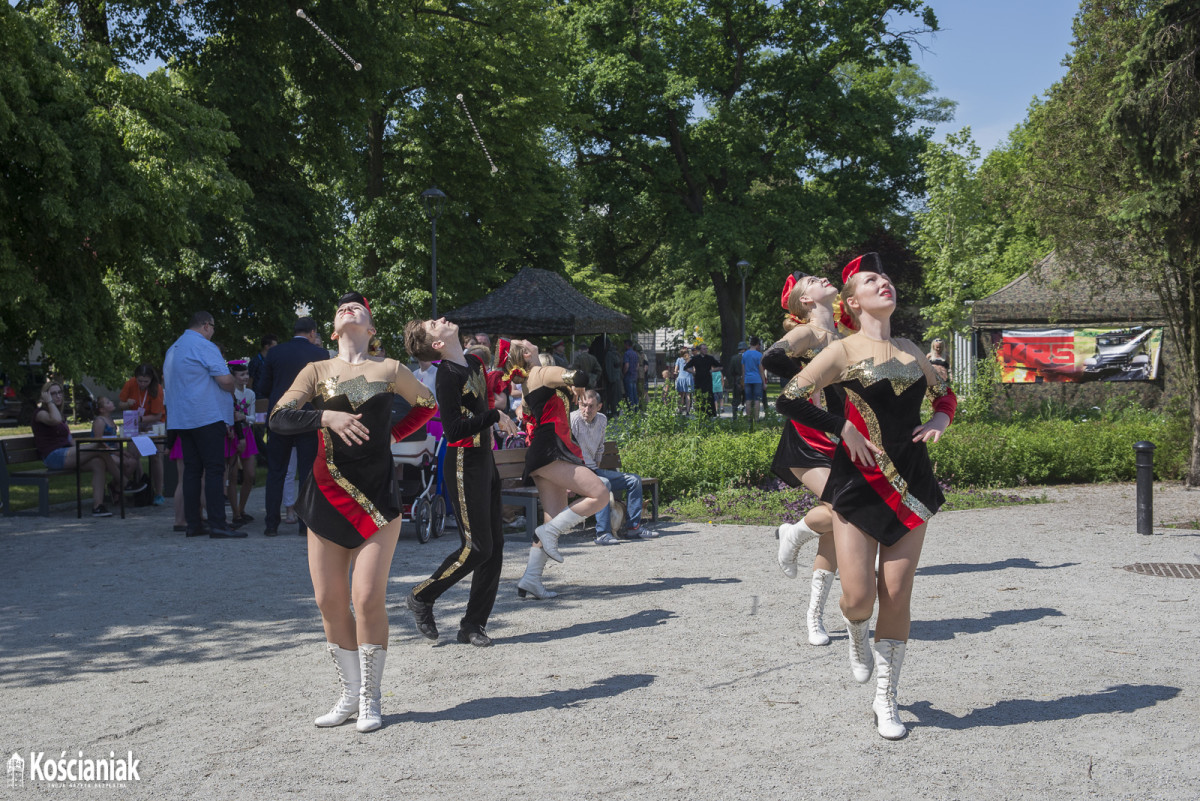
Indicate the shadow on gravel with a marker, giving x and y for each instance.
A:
(482, 708)
(650, 585)
(1121, 698)
(639, 620)
(987, 567)
(948, 628)
(102, 604)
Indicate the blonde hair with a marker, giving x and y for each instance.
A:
(516, 367)
(847, 293)
(798, 310)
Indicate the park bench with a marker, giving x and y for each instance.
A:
(22, 450)
(510, 465)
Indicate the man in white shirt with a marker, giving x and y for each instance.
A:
(588, 425)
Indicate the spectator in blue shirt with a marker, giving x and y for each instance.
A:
(198, 390)
(752, 369)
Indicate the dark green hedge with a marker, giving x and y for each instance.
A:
(696, 461)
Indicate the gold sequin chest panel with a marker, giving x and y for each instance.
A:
(351, 496)
(884, 386)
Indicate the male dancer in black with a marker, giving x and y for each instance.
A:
(471, 478)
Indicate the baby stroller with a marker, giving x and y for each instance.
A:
(414, 465)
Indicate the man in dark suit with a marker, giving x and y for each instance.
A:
(283, 363)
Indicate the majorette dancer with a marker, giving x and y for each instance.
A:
(553, 462)
(881, 483)
(347, 502)
(805, 454)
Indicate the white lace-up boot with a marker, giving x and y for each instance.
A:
(822, 580)
(792, 537)
(531, 582)
(862, 657)
(371, 659)
(889, 656)
(350, 678)
(548, 533)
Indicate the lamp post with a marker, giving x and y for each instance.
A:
(743, 266)
(435, 201)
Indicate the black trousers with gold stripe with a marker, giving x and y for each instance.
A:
(474, 490)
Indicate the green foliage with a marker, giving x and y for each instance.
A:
(690, 462)
(1048, 445)
(973, 233)
(975, 399)
(1055, 451)
(106, 176)
(762, 132)
(770, 507)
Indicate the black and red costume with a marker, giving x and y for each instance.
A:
(474, 488)
(800, 445)
(349, 495)
(884, 383)
(549, 410)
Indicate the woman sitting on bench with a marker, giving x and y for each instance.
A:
(57, 448)
(553, 462)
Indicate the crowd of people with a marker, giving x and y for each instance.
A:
(854, 437)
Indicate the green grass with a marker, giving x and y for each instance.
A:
(768, 507)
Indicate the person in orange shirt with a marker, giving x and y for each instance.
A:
(144, 393)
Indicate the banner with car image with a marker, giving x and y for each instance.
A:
(1078, 354)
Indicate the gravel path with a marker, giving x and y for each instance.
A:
(674, 668)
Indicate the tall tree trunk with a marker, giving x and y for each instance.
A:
(1193, 473)
(93, 19)
(728, 292)
(372, 263)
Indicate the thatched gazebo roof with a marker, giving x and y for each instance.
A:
(1049, 295)
(539, 303)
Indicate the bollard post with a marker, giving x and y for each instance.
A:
(1144, 452)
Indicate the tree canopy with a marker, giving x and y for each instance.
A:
(712, 133)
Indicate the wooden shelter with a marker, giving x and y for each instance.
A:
(539, 303)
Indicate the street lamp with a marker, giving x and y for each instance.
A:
(743, 267)
(435, 201)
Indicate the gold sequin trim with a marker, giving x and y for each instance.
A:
(565, 398)
(919, 509)
(806, 356)
(353, 491)
(574, 378)
(423, 402)
(467, 414)
(883, 460)
(358, 390)
(292, 404)
(899, 374)
(794, 390)
(476, 384)
(464, 524)
(938, 389)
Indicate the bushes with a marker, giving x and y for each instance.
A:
(693, 462)
(700, 459)
(1056, 451)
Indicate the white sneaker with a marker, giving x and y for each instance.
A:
(607, 539)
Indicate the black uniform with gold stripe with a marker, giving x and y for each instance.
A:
(474, 489)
